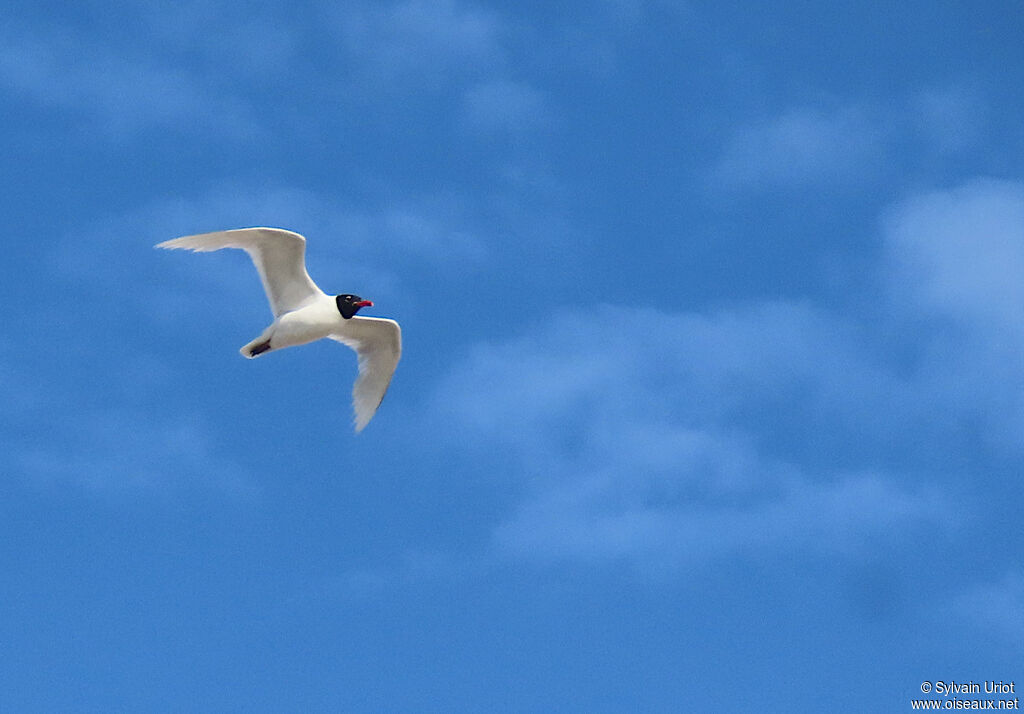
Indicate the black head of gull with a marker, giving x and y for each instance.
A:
(348, 305)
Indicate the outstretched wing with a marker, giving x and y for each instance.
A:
(378, 344)
(279, 255)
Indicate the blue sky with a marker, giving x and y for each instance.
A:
(711, 394)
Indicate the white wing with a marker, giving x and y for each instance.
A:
(378, 344)
(279, 255)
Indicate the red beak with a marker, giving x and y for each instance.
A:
(364, 303)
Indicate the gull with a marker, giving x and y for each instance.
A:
(304, 313)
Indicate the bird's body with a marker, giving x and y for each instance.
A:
(304, 313)
(316, 319)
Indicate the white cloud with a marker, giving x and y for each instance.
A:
(718, 364)
(609, 516)
(958, 256)
(801, 146)
(653, 437)
(960, 253)
(806, 145)
(648, 437)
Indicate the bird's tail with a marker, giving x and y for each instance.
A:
(257, 347)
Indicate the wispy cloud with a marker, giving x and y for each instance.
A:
(114, 94)
(430, 41)
(801, 146)
(654, 441)
(411, 570)
(114, 451)
(666, 519)
(58, 435)
(844, 144)
(996, 606)
(960, 253)
(950, 118)
(263, 41)
(956, 256)
(506, 107)
(57, 438)
(720, 366)
(658, 437)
